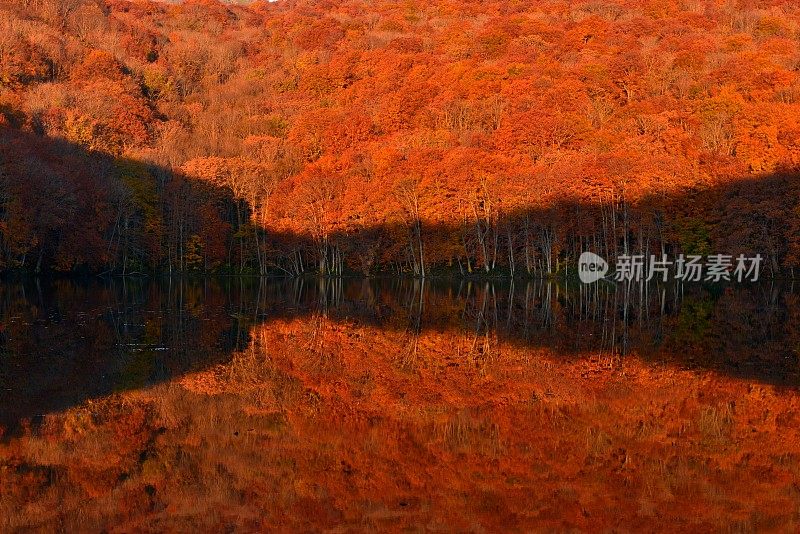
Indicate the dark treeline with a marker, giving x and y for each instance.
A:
(66, 209)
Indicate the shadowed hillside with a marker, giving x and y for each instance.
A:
(435, 137)
(67, 209)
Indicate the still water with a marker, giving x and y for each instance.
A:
(353, 405)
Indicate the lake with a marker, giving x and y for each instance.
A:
(397, 404)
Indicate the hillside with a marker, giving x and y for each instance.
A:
(499, 137)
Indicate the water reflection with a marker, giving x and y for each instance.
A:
(64, 341)
(309, 404)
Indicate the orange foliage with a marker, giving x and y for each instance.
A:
(600, 104)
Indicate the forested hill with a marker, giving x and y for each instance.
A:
(307, 136)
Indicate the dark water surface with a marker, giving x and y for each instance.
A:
(636, 385)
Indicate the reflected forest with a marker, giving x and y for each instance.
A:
(317, 266)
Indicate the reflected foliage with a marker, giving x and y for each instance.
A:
(66, 341)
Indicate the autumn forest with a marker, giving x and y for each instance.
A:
(497, 138)
(312, 266)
